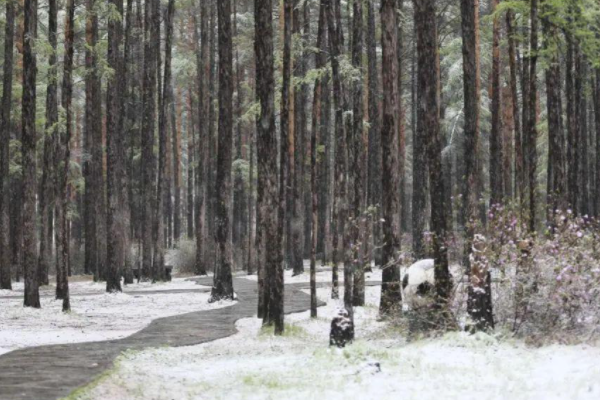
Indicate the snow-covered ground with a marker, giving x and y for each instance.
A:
(85, 285)
(95, 315)
(380, 365)
(322, 276)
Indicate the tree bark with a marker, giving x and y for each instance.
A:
(50, 139)
(147, 141)
(117, 243)
(358, 166)
(391, 295)
(5, 118)
(269, 197)
(62, 228)
(339, 198)
(28, 144)
(428, 114)
(223, 282)
(496, 153)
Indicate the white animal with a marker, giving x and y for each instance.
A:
(418, 284)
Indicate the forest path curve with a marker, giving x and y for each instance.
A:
(54, 371)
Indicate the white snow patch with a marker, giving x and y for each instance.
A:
(95, 317)
(253, 364)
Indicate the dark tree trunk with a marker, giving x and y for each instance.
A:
(317, 115)
(481, 315)
(50, 139)
(223, 283)
(496, 156)
(158, 267)
(298, 128)
(471, 73)
(357, 168)
(597, 123)
(572, 130)
(269, 197)
(176, 145)
(7, 81)
(62, 225)
(148, 126)
(374, 142)
(391, 296)
(93, 126)
(512, 62)
(428, 114)
(419, 167)
(202, 66)
(339, 205)
(581, 68)
(28, 142)
(191, 178)
(556, 189)
(532, 120)
(117, 243)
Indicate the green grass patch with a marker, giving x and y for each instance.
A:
(289, 330)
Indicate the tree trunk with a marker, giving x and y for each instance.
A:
(223, 283)
(532, 120)
(556, 189)
(357, 167)
(202, 66)
(339, 198)
(28, 143)
(62, 225)
(50, 139)
(496, 156)
(158, 234)
(269, 197)
(117, 243)
(5, 128)
(518, 162)
(148, 126)
(428, 114)
(374, 142)
(391, 296)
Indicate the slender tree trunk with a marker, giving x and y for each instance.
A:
(148, 126)
(572, 131)
(478, 302)
(317, 115)
(391, 296)
(496, 155)
(512, 62)
(28, 143)
(223, 283)
(532, 120)
(191, 178)
(117, 243)
(339, 207)
(158, 234)
(50, 138)
(62, 228)
(374, 143)
(201, 81)
(357, 167)
(428, 112)
(269, 197)
(581, 78)
(5, 127)
(597, 123)
(556, 190)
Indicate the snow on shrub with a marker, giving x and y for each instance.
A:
(545, 287)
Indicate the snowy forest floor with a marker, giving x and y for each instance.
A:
(380, 364)
(96, 315)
